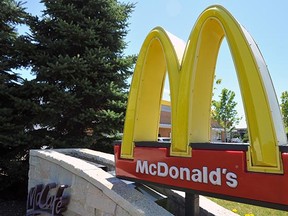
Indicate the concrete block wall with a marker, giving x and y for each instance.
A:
(92, 191)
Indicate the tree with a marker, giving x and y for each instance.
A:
(80, 86)
(13, 110)
(80, 90)
(224, 111)
(284, 108)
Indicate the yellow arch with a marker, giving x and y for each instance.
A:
(156, 56)
(191, 90)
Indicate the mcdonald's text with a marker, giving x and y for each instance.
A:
(203, 175)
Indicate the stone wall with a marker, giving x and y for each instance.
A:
(92, 190)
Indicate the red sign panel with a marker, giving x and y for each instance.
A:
(211, 171)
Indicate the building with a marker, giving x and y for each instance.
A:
(216, 132)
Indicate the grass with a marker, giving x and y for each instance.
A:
(248, 210)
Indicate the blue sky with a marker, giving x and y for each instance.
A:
(265, 20)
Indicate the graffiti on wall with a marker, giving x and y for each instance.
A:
(48, 199)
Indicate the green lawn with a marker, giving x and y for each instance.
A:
(248, 210)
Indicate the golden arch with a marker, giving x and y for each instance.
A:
(191, 84)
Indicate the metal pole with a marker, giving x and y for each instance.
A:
(192, 204)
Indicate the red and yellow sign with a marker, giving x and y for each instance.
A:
(256, 172)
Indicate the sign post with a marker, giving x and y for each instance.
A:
(192, 204)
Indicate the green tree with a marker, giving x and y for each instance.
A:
(13, 110)
(80, 86)
(284, 108)
(224, 111)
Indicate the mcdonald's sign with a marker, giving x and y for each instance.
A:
(255, 173)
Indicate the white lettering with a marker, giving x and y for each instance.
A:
(142, 167)
(196, 176)
(203, 175)
(182, 173)
(162, 169)
(153, 169)
(174, 172)
(215, 177)
(231, 180)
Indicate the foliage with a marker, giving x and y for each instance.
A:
(79, 93)
(284, 108)
(245, 138)
(80, 71)
(248, 210)
(14, 116)
(224, 111)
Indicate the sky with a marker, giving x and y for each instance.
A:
(265, 20)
